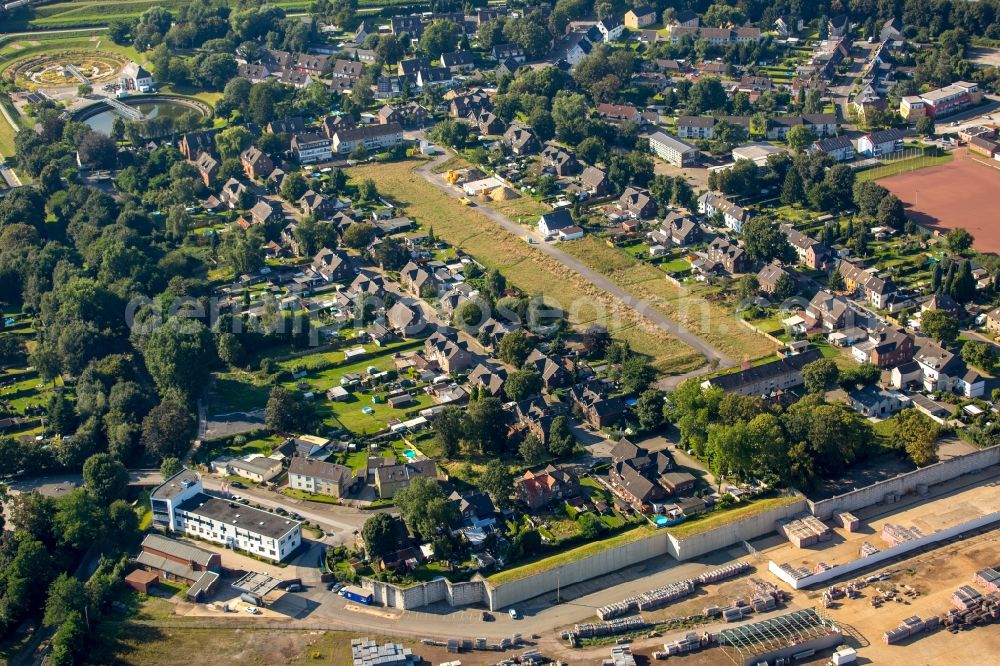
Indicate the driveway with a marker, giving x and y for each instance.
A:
(716, 358)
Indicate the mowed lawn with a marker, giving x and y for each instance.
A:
(241, 391)
(525, 267)
(709, 321)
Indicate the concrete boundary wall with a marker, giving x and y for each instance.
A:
(577, 571)
(734, 532)
(423, 594)
(882, 556)
(907, 483)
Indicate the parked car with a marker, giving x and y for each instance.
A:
(513, 614)
(487, 617)
(281, 511)
(238, 484)
(253, 610)
(295, 515)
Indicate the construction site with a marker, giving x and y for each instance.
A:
(818, 552)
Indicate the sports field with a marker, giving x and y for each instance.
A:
(961, 193)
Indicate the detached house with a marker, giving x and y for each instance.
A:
(256, 165)
(595, 181)
(451, 354)
(559, 160)
(733, 216)
(312, 147)
(390, 480)
(885, 347)
(319, 478)
(537, 490)
(550, 223)
(637, 204)
(640, 17)
(520, 139)
(331, 265)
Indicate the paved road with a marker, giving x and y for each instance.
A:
(340, 522)
(714, 356)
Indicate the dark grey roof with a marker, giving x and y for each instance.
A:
(795, 363)
(240, 515)
(181, 549)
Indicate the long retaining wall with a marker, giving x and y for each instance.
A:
(907, 483)
(881, 556)
(728, 534)
(585, 568)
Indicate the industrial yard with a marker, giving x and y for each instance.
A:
(881, 527)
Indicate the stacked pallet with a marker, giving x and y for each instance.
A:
(804, 531)
(735, 613)
(867, 549)
(820, 567)
(763, 588)
(656, 598)
(894, 535)
(909, 627)
(690, 642)
(662, 596)
(848, 521)
(618, 626)
(966, 597)
(722, 573)
(796, 573)
(762, 603)
(621, 655)
(984, 610)
(988, 578)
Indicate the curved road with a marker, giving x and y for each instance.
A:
(715, 357)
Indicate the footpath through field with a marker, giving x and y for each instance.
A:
(716, 358)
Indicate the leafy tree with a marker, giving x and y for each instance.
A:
(33, 513)
(379, 535)
(868, 195)
(940, 325)
(98, 150)
(820, 376)
(391, 254)
(79, 519)
(958, 240)
(890, 212)
(925, 126)
(532, 449)
(498, 482)
(232, 141)
(450, 133)
(649, 409)
(591, 527)
(980, 354)
(359, 236)
(636, 374)
(515, 346)
(801, 137)
(706, 95)
(785, 287)
(485, 427)
(367, 190)
(495, 284)
(105, 478)
(449, 425)
(65, 595)
(596, 340)
(179, 356)
(561, 439)
(792, 191)
(570, 114)
(168, 429)
(763, 241)
(62, 419)
(170, 466)
(294, 186)
(918, 435)
(440, 37)
(523, 384)
(284, 412)
(424, 508)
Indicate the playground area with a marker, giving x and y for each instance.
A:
(960, 193)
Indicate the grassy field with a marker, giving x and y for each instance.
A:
(714, 519)
(525, 267)
(572, 555)
(708, 320)
(897, 167)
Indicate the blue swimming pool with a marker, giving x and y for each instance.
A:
(410, 453)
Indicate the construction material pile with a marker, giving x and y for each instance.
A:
(895, 535)
(909, 627)
(662, 596)
(610, 628)
(804, 531)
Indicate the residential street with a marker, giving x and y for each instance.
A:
(642, 307)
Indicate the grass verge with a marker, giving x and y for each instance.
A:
(709, 521)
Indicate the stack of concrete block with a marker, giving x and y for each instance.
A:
(909, 627)
(867, 549)
(988, 578)
(722, 573)
(804, 531)
(966, 597)
(848, 521)
(690, 642)
(895, 535)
